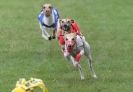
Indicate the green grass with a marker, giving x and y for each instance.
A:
(106, 24)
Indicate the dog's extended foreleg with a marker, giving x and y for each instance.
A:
(80, 71)
(45, 34)
(77, 65)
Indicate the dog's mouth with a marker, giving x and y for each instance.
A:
(69, 49)
(47, 14)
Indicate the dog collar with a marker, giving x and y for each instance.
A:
(51, 26)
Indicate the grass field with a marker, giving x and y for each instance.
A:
(106, 24)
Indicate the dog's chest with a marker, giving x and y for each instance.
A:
(75, 50)
(48, 20)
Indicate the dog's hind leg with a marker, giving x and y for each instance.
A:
(89, 58)
(91, 66)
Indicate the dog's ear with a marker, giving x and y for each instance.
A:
(43, 7)
(60, 20)
(50, 6)
(72, 20)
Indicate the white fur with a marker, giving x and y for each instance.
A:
(84, 48)
(46, 32)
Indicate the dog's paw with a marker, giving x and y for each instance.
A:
(49, 38)
(94, 76)
(82, 78)
(53, 37)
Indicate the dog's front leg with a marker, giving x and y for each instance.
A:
(78, 55)
(54, 34)
(78, 66)
(45, 34)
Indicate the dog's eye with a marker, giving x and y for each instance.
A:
(50, 7)
(72, 21)
(66, 39)
(62, 21)
(73, 39)
(68, 21)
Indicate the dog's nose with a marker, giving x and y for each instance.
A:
(65, 25)
(46, 10)
(69, 46)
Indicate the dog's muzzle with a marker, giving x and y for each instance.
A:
(66, 27)
(47, 13)
(70, 46)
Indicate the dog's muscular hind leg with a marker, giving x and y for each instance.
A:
(91, 67)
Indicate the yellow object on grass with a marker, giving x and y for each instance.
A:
(29, 86)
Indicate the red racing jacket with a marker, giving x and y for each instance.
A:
(74, 29)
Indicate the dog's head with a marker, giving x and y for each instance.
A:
(66, 24)
(47, 9)
(70, 41)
